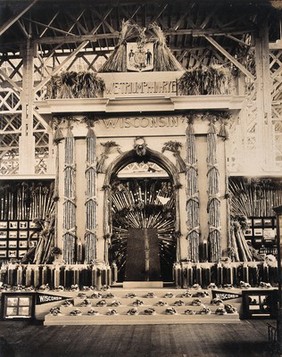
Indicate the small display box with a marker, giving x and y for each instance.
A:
(18, 305)
(260, 304)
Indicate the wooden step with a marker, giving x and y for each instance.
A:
(139, 319)
(150, 299)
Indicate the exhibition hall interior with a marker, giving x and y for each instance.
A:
(140, 169)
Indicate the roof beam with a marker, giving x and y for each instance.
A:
(61, 65)
(75, 39)
(103, 19)
(46, 26)
(27, 35)
(11, 21)
(116, 34)
(76, 21)
(8, 79)
(230, 57)
(49, 24)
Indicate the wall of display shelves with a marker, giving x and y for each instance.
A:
(16, 237)
(261, 232)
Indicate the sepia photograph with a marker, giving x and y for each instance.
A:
(140, 178)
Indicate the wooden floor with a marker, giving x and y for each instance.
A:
(247, 338)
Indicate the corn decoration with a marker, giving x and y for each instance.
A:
(43, 247)
(90, 204)
(69, 211)
(192, 205)
(254, 197)
(213, 195)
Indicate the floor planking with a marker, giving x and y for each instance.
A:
(247, 338)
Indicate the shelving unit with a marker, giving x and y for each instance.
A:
(261, 232)
(16, 237)
(22, 203)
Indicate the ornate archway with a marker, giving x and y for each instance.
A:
(146, 201)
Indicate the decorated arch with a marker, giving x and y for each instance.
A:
(141, 204)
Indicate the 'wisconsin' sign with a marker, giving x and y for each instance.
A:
(47, 298)
(225, 295)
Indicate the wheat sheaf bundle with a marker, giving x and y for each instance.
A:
(117, 60)
(164, 60)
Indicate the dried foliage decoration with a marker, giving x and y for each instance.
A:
(75, 85)
(203, 81)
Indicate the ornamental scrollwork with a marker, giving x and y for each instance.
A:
(174, 147)
(109, 146)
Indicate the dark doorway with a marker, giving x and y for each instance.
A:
(143, 261)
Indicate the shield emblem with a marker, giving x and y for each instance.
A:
(140, 57)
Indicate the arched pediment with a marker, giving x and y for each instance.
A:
(151, 155)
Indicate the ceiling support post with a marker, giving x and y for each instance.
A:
(27, 139)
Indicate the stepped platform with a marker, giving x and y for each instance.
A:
(140, 306)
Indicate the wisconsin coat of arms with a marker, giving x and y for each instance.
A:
(140, 56)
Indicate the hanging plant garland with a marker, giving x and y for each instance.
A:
(108, 146)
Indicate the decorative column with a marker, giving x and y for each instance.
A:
(90, 174)
(57, 139)
(213, 195)
(69, 211)
(192, 204)
(107, 219)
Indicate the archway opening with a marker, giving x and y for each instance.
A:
(142, 200)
